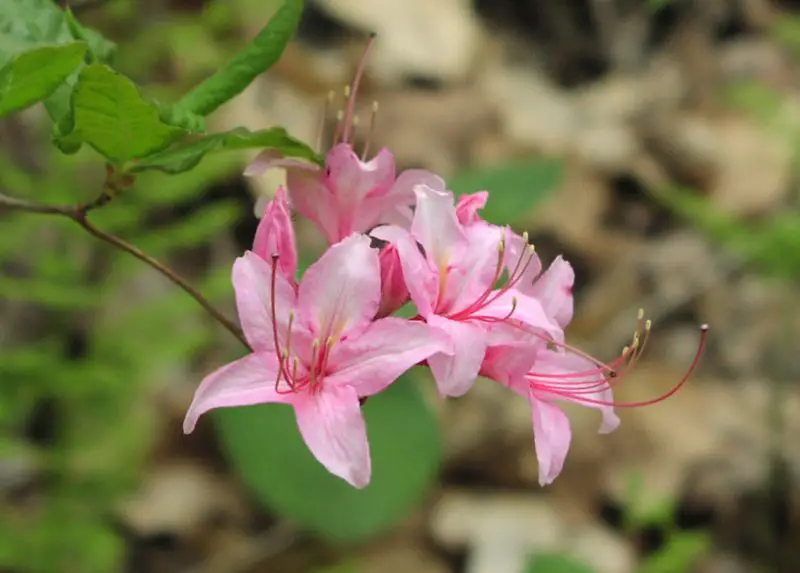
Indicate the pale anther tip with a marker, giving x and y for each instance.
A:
(704, 327)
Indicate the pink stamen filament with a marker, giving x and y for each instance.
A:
(319, 356)
(577, 393)
(351, 100)
(490, 295)
(371, 131)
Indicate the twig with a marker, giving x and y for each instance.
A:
(79, 215)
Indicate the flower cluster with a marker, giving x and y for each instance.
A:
(485, 307)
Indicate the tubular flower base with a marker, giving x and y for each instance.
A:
(325, 343)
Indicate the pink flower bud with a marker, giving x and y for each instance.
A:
(394, 293)
(275, 235)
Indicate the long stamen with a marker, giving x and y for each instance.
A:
(371, 131)
(479, 303)
(323, 363)
(355, 122)
(351, 102)
(312, 371)
(692, 367)
(325, 111)
(339, 123)
(282, 355)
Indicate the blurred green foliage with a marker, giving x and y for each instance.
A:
(772, 242)
(104, 348)
(265, 445)
(516, 186)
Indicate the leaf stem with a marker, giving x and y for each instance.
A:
(78, 213)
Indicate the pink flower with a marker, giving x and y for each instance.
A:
(349, 194)
(453, 284)
(542, 376)
(394, 293)
(318, 350)
(545, 371)
(275, 236)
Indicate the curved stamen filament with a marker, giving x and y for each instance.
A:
(353, 92)
(325, 111)
(339, 123)
(371, 131)
(578, 396)
(290, 376)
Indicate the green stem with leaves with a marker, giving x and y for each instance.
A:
(79, 214)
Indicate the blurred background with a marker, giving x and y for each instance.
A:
(653, 143)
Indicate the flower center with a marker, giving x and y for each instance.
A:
(294, 374)
(490, 294)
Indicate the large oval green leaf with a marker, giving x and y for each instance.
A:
(514, 187)
(264, 444)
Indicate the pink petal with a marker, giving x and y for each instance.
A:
(386, 349)
(403, 187)
(248, 381)
(551, 435)
(272, 158)
(456, 370)
(553, 289)
(395, 207)
(252, 283)
(475, 272)
(312, 199)
(422, 281)
(275, 235)
(508, 363)
(436, 227)
(524, 309)
(563, 372)
(353, 180)
(394, 292)
(333, 428)
(342, 290)
(468, 206)
(519, 261)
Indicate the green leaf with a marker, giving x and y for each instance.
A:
(255, 59)
(34, 75)
(111, 115)
(556, 563)
(263, 442)
(185, 157)
(29, 23)
(514, 188)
